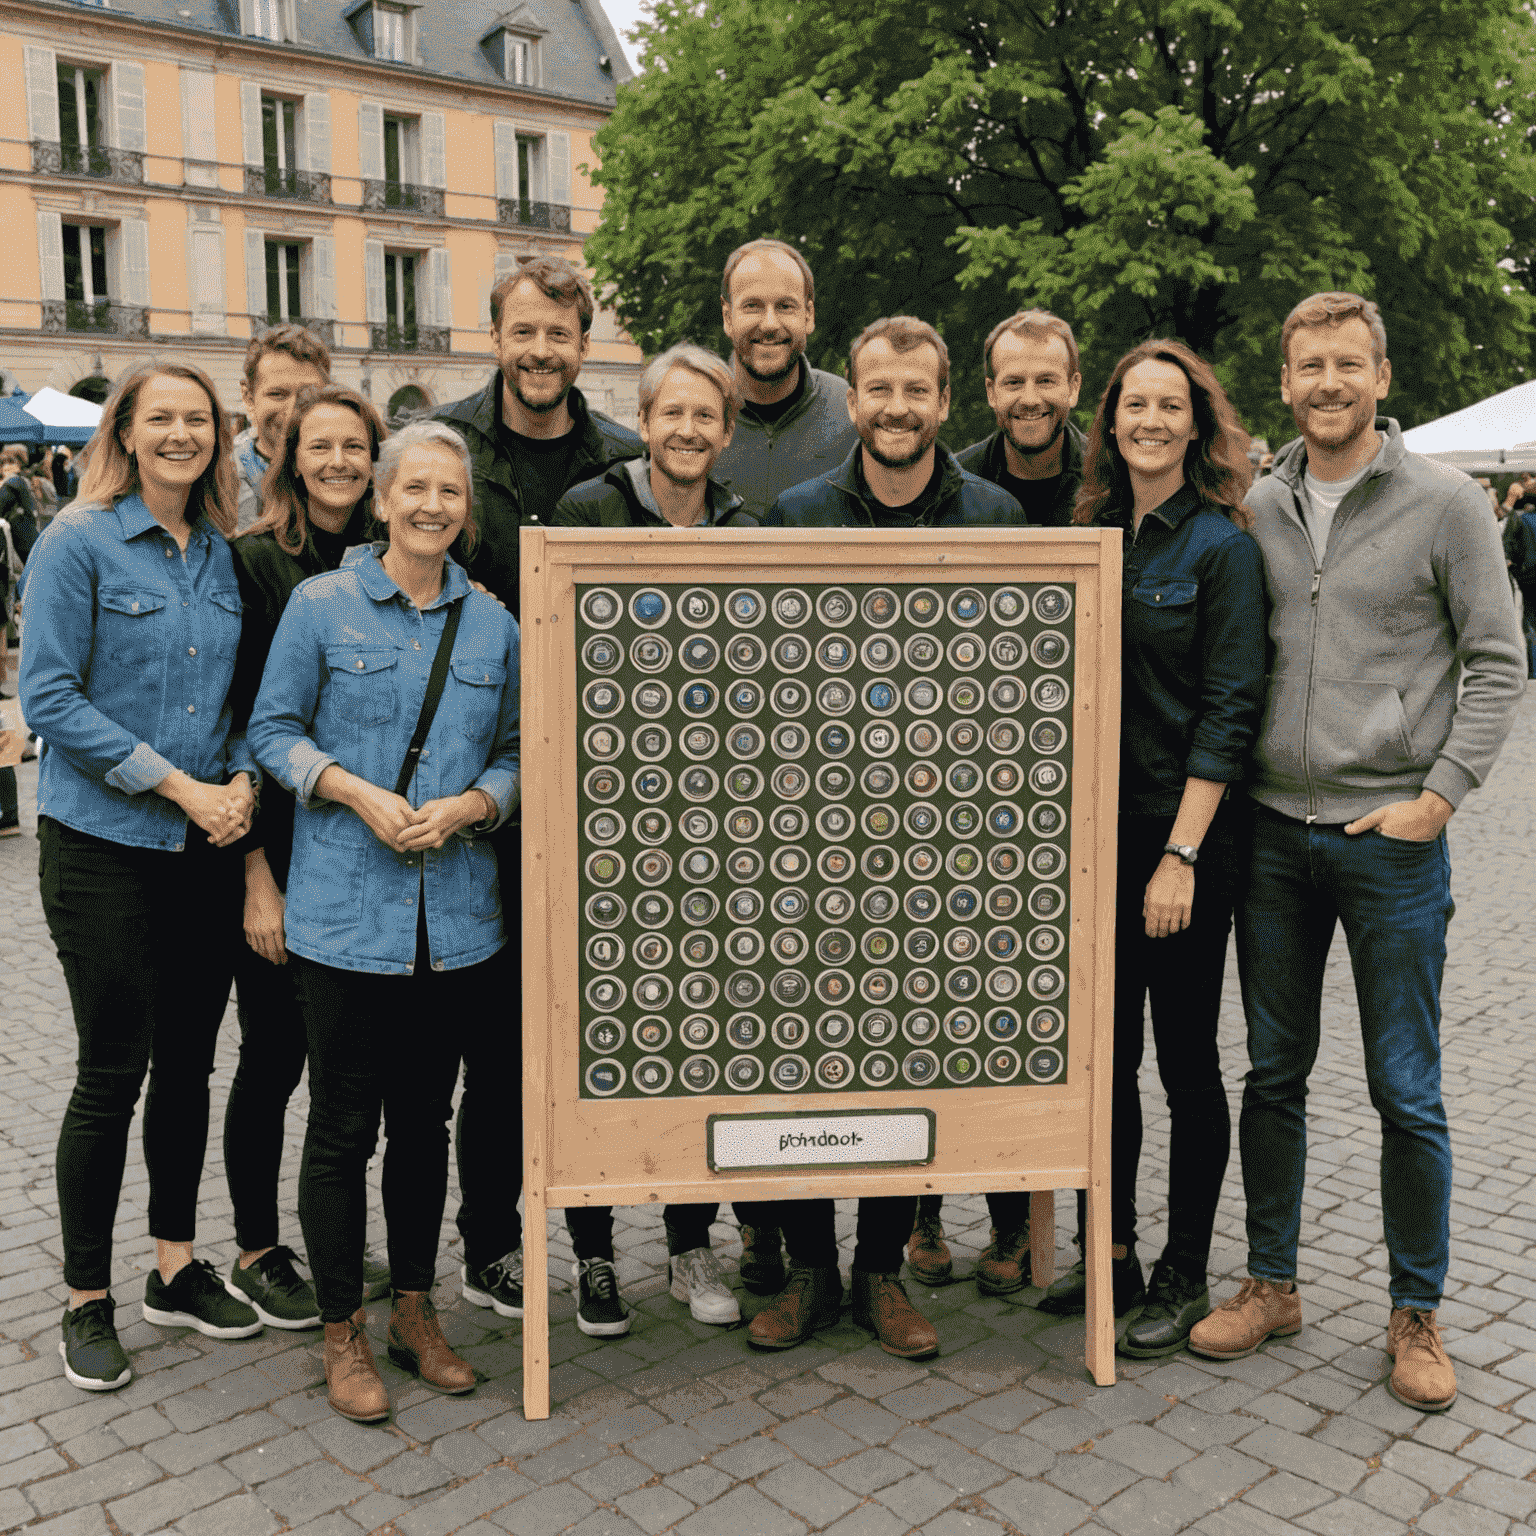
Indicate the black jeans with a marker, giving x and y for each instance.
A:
(1182, 975)
(591, 1228)
(146, 940)
(387, 1043)
(272, 1052)
(10, 803)
(885, 1224)
(488, 1135)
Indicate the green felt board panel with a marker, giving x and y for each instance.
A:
(824, 836)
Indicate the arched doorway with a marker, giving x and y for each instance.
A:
(95, 389)
(408, 403)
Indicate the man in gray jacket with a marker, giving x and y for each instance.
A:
(1397, 671)
(793, 424)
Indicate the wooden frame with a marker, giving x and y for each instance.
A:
(585, 1151)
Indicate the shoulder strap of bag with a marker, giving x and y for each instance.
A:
(434, 694)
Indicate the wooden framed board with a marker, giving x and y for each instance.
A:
(818, 857)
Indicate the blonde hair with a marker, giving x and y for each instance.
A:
(111, 472)
(695, 360)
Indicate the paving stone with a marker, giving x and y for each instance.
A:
(1093, 1479)
(668, 1449)
(871, 1469)
(1019, 1454)
(1349, 1517)
(731, 1422)
(1221, 1471)
(1063, 1428)
(1434, 1469)
(1143, 1449)
(1036, 1509)
(606, 1522)
(815, 1439)
(953, 1523)
(483, 1495)
(108, 1479)
(740, 1511)
(243, 1515)
(654, 1509)
(511, 1436)
(309, 1491)
(810, 1494)
(273, 1458)
(564, 1459)
(544, 1512)
(699, 1483)
(156, 1506)
(1294, 1453)
(1455, 1517)
(1392, 1494)
(1493, 1490)
(1286, 1495)
(750, 1457)
(925, 1399)
(869, 1520)
(609, 1478)
(1149, 1506)
(916, 1498)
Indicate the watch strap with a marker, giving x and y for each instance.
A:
(1183, 852)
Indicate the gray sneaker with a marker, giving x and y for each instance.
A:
(698, 1279)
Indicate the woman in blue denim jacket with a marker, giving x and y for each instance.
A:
(133, 618)
(392, 901)
(1167, 462)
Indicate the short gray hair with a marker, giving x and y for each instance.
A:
(696, 360)
(427, 434)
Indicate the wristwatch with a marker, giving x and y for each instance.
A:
(1183, 852)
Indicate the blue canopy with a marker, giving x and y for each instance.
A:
(17, 427)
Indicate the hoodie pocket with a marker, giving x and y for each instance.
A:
(1356, 728)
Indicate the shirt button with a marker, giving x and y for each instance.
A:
(169, 553)
(191, 650)
(191, 709)
(417, 644)
(437, 965)
(359, 665)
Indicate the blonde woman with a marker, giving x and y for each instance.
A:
(133, 623)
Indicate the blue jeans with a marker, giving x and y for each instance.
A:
(1394, 900)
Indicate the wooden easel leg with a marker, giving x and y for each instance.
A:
(1100, 1346)
(535, 1304)
(1042, 1237)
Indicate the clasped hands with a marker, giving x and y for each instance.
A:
(412, 829)
(223, 811)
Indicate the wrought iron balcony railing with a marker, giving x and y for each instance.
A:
(102, 315)
(408, 338)
(296, 186)
(532, 215)
(98, 161)
(402, 197)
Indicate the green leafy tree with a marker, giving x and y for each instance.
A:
(1143, 167)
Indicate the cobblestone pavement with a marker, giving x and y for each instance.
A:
(682, 1427)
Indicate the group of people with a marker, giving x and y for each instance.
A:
(300, 742)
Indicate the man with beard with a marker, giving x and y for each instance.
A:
(896, 477)
(1396, 677)
(792, 425)
(531, 436)
(1036, 454)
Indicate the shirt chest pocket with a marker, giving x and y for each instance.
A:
(130, 627)
(479, 699)
(1163, 613)
(223, 621)
(363, 682)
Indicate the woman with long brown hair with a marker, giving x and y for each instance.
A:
(317, 503)
(133, 620)
(1167, 462)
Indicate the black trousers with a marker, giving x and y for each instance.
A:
(488, 1135)
(591, 1228)
(378, 1043)
(272, 1052)
(146, 941)
(885, 1224)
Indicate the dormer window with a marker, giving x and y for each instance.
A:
(271, 19)
(512, 46)
(386, 29)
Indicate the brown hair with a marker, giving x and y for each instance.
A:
(761, 248)
(556, 279)
(1335, 309)
(284, 496)
(112, 473)
(301, 345)
(905, 333)
(1037, 324)
(696, 360)
(1215, 464)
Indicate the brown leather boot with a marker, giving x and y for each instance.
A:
(1005, 1266)
(928, 1255)
(880, 1304)
(416, 1344)
(354, 1388)
(1259, 1311)
(1422, 1374)
(811, 1299)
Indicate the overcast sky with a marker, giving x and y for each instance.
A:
(624, 14)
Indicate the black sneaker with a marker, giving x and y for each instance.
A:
(196, 1298)
(498, 1285)
(601, 1314)
(1069, 1294)
(275, 1291)
(93, 1358)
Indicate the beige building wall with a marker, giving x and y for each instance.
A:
(181, 193)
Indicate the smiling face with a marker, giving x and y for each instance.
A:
(427, 502)
(333, 460)
(1332, 383)
(173, 433)
(1032, 389)
(768, 316)
(540, 347)
(895, 402)
(279, 378)
(685, 430)
(1154, 419)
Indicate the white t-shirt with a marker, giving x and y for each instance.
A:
(1323, 498)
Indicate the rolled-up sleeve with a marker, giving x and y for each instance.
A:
(286, 702)
(60, 606)
(1233, 653)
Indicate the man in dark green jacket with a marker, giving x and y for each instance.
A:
(531, 433)
(1036, 454)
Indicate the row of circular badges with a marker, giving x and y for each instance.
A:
(791, 607)
(746, 654)
(791, 904)
(833, 988)
(652, 699)
(962, 1067)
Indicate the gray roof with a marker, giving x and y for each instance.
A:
(575, 34)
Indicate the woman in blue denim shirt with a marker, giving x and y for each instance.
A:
(392, 902)
(1167, 462)
(133, 618)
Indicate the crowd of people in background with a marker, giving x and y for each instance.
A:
(276, 675)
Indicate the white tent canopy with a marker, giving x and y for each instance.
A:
(1495, 436)
(55, 409)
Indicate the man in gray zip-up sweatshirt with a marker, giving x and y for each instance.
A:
(793, 423)
(1396, 673)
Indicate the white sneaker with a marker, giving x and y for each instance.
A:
(698, 1279)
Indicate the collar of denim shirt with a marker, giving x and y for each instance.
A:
(134, 518)
(377, 583)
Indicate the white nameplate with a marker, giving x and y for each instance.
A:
(859, 1138)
